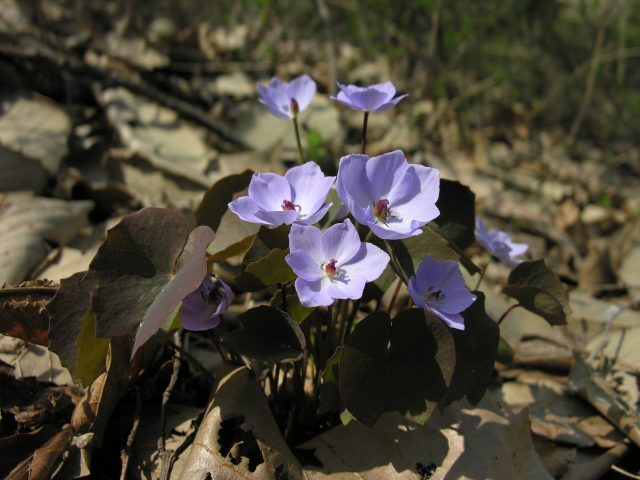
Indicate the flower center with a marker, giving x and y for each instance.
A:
(330, 268)
(381, 211)
(435, 297)
(215, 296)
(287, 205)
(294, 106)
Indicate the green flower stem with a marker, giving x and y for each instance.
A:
(395, 295)
(483, 271)
(507, 312)
(295, 125)
(349, 323)
(364, 131)
(369, 236)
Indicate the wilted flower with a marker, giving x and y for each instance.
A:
(296, 197)
(374, 98)
(201, 309)
(499, 244)
(439, 287)
(333, 264)
(394, 199)
(285, 99)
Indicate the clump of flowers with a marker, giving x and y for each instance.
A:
(202, 308)
(332, 265)
(275, 200)
(499, 244)
(394, 199)
(439, 287)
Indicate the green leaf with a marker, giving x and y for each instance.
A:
(539, 290)
(265, 241)
(505, 352)
(377, 288)
(404, 366)
(457, 219)
(294, 308)
(476, 351)
(216, 200)
(329, 397)
(266, 271)
(233, 237)
(407, 254)
(92, 351)
(66, 310)
(132, 280)
(269, 335)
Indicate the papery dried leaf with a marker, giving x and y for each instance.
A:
(22, 311)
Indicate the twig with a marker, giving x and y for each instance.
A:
(624, 472)
(364, 132)
(435, 22)
(126, 451)
(167, 456)
(295, 126)
(7, 292)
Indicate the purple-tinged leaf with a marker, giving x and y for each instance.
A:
(131, 279)
(404, 366)
(267, 271)
(216, 200)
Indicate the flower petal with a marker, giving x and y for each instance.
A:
(390, 103)
(308, 239)
(518, 249)
(351, 173)
(313, 294)
(454, 320)
(309, 187)
(342, 97)
(198, 321)
(316, 217)
(304, 265)
(269, 191)
(276, 99)
(369, 262)
(246, 209)
(278, 113)
(426, 185)
(348, 287)
(340, 242)
(368, 99)
(387, 177)
(457, 299)
(286, 217)
(416, 294)
(302, 89)
(387, 88)
(397, 230)
(428, 274)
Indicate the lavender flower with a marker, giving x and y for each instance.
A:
(374, 98)
(333, 264)
(439, 287)
(285, 99)
(394, 199)
(296, 197)
(201, 309)
(499, 244)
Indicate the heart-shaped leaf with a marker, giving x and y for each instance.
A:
(269, 335)
(66, 310)
(294, 308)
(131, 279)
(407, 254)
(216, 200)
(234, 236)
(457, 219)
(476, 351)
(265, 241)
(92, 351)
(266, 271)
(404, 366)
(539, 290)
(329, 395)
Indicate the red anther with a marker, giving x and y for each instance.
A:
(381, 208)
(330, 268)
(287, 205)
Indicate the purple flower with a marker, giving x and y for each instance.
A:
(499, 244)
(201, 309)
(285, 99)
(439, 287)
(333, 264)
(394, 199)
(374, 98)
(297, 197)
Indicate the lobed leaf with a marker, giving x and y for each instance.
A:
(266, 240)
(233, 237)
(67, 310)
(267, 271)
(131, 279)
(404, 366)
(539, 290)
(457, 213)
(269, 335)
(294, 308)
(216, 200)
(476, 351)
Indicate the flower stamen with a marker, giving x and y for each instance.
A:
(330, 268)
(287, 205)
(435, 297)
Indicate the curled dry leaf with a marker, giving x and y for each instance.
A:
(22, 311)
(239, 437)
